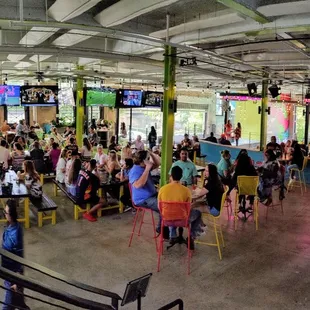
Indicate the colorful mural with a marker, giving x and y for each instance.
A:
(279, 121)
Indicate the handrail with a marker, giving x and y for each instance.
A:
(177, 302)
(36, 286)
(55, 275)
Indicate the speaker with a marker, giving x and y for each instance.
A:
(252, 89)
(274, 91)
(172, 106)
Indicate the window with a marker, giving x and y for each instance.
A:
(93, 113)
(66, 115)
(192, 121)
(15, 114)
(300, 123)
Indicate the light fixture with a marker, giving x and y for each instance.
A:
(73, 37)
(37, 35)
(16, 57)
(274, 90)
(34, 58)
(252, 89)
(23, 64)
(187, 84)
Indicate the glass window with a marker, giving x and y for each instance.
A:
(15, 114)
(66, 115)
(93, 113)
(300, 123)
(192, 121)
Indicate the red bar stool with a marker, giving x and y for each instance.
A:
(140, 212)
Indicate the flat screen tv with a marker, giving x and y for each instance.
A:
(66, 97)
(130, 98)
(153, 99)
(41, 96)
(9, 95)
(104, 96)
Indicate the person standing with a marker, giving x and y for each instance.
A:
(152, 138)
(20, 129)
(228, 129)
(123, 130)
(237, 133)
(12, 241)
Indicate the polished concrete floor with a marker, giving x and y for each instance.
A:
(264, 269)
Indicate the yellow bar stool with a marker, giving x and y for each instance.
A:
(217, 227)
(301, 182)
(247, 186)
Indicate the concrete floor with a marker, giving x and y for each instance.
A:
(267, 269)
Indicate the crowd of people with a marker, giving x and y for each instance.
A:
(83, 169)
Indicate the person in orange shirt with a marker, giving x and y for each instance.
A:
(176, 192)
(228, 129)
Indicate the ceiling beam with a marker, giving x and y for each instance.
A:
(77, 52)
(244, 10)
(125, 10)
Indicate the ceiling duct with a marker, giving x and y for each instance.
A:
(126, 10)
(63, 10)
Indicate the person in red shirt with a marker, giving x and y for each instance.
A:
(228, 130)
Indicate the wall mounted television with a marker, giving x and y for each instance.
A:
(128, 98)
(66, 97)
(103, 96)
(9, 95)
(40, 96)
(153, 99)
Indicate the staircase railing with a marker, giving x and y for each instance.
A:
(177, 302)
(36, 286)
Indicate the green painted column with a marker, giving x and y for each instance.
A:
(168, 114)
(80, 111)
(264, 115)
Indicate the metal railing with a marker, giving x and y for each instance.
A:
(56, 293)
(177, 302)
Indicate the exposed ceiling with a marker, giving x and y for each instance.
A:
(234, 41)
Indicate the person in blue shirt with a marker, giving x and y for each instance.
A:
(12, 241)
(143, 190)
(224, 167)
(189, 169)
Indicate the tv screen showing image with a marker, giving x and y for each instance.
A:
(37, 95)
(104, 96)
(131, 98)
(66, 97)
(9, 95)
(154, 99)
